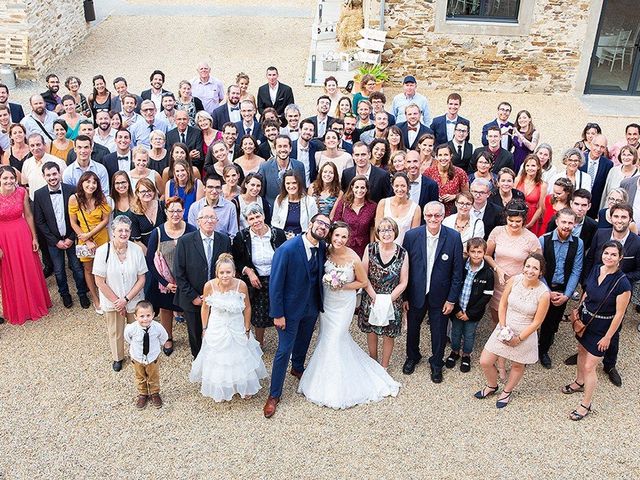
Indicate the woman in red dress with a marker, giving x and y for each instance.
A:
(451, 180)
(530, 183)
(554, 202)
(24, 290)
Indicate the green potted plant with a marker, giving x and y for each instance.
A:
(378, 71)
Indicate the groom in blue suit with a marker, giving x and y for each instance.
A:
(435, 282)
(295, 299)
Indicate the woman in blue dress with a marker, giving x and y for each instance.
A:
(607, 294)
(184, 185)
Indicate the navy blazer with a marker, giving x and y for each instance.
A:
(379, 182)
(447, 273)
(428, 193)
(193, 140)
(271, 180)
(256, 133)
(346, 146)
(116, 103)
(16, 111)
(314, 120)
(315, 146)
(630, 264)
(463, 162)
(289, 288)
(110, 162)
(146, 95)
(221, 116)
(404, 127)
(494, 123)
(439, 127)
(598, 183)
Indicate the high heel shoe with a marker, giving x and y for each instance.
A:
(501, 403)
(480, 394)
(168, 350)
(579, 416)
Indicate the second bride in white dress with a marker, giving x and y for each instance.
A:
(340, 374)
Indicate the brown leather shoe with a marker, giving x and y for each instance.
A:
(156, 401)
(296, 374)
(141, 401)
(270, 407)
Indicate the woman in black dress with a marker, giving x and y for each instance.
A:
(147, 212)
(607, 292)
(253, 249)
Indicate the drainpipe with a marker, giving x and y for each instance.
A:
(381, 14)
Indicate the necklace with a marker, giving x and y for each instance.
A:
(461, 228)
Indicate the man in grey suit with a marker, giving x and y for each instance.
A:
(273, 170)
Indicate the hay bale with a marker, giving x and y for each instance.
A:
(349, 25)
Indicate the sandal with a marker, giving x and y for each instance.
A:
(568, 389)
(575, 415)
(480, 394)
(168, 350)
(501, 403)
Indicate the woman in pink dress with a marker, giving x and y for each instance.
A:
(24, 290)
(530, 183)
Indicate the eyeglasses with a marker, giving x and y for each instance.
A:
(174, 212)
(213, 187)
(145, 192)
(323, 223)
(613, 199)
(385, 230)
(503, 109)
(209, 218)
(147, 109)
(464, 130)
(476, 192)
(464, 204)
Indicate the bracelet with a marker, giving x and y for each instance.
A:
(127, 299)
(247, 331)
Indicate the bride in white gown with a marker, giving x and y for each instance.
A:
(340, 374)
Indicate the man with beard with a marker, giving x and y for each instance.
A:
(274, 94)
(104, 135)
(52, 100)
(304, 150)
(168, 113)
(322, 121)
(273, 169)
(130, 111)
(40, 120)
(351, 133)
(156, 91)
(117, 101)
(270, 131)
(564, 254)
(228, 111)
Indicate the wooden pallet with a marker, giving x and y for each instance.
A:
(14, 48)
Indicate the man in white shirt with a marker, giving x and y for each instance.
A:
(208, 89)
(292, 114)
(40, 120)
(410, 96)
(32, 167)
(105, 135)
(140, 131)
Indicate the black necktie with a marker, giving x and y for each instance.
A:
(460, 151)
(314, 254)
(248, 131)
(54, 192)
(151, 128)
(182, 139)
(145, 342)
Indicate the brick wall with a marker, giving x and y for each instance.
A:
(545, 60)
(34, 34)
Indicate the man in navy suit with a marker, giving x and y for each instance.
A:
(322, 120)
(274, 94)
(621, 216)
(494, 152)
(503, 123)
(248, 125)
(444, 126)
(597, 166)
(273, 169)
(489, 212)
(190, 136)
(228, 111)
(435, 281)
(15, 109)
(422, 189)
(304, 150)
(379, 180)
(51, 217)
(295, 299)
(121, 158)
(412, 129)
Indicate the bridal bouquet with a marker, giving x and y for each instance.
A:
(504, 333)
(334, 280)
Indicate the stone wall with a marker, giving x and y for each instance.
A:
(34, 34)
(544, 60)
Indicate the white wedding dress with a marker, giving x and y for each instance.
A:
(340, 374)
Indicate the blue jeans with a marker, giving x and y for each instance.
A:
(57, 257)
(465, 331)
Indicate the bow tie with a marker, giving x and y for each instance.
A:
(293, 131)
(451, 122)
(235, 109)
(55, 192)
(123, 158)
(413, 129)
(504, 125)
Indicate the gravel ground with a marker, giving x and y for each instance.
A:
(65, 414)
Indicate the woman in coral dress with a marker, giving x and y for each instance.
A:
(24, 290)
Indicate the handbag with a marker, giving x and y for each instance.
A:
(82, 251)
(579, 327)
(381, 312)
(162, 267)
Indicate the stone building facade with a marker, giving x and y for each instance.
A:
(35, 33)
(547, 49)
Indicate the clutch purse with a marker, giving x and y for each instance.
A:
(382, 311)
(82, 251)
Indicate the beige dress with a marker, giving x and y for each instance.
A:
(521, 308)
